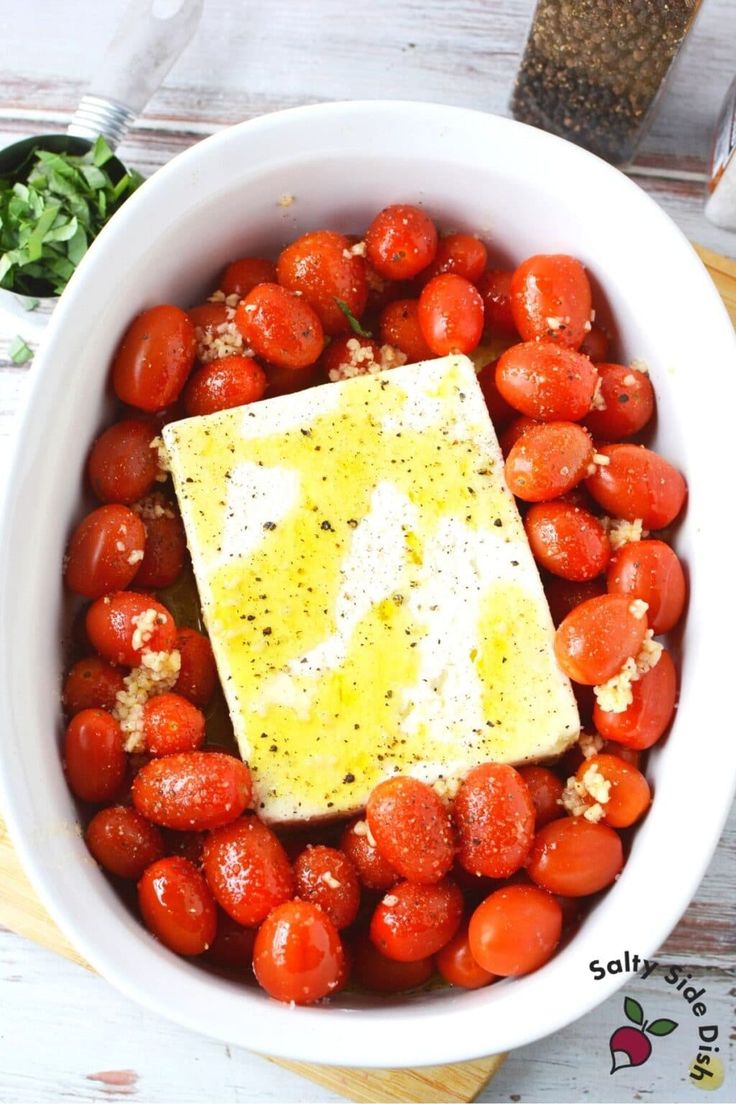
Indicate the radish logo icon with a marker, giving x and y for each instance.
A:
(631, 1046)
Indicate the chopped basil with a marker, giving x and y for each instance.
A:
(19, 352)
(355, 325)
(51, 212)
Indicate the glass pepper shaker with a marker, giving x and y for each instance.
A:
(592, 69)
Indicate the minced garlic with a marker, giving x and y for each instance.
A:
(621, 532)
(616, 695)
(590, 743)
(157, 673)
(144, 624)
(152, 506)
(362, 828)
(362, 362)
(638, 608)
(598, 402)
(224, 339)
(578, 792)
(330, 880)
(162, 459)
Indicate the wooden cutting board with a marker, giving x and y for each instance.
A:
(22, 912)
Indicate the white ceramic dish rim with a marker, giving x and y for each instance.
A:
(451, 1026)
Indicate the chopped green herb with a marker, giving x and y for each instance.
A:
(19, 352)
(51, 211)
(355, 325)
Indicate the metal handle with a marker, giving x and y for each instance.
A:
(149, 39)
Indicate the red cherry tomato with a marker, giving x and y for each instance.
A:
(121, 626)
(374, 871)
(103, 553)
(232, 946)
(575, 857)
(457, 966)
(197, 678)
(92, 684)
(122, 466)
(208, 316)
(399, 326)
(450, 314)
(194, 790)
(123, 842)
(546, 381)
(567, 541)
(595, 640)
(545, 790)
(650, 570)
(321, 267)
(501, 413)
(414, 921)
(627, 396)
(649, 715)
(638, 483)
(280, 327)
(494, 816)
(463, 254)
(93, 756)
(350, 355)
(224, 383)
(551, 300)
(514, 432)
(287, 381)
(563, 596)
(154, 358)
(401, 241)
(515, 930)
(548, 460)
(298, 955)
(247, 870)
(243, 275)
(328, 878)
(177, 906)
(629, 795)
(495, 288)
(379, 974)
(166, 551)
(171, 725)
(595, 344)
(412, 828)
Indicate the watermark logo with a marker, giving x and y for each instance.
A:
(631, 1046)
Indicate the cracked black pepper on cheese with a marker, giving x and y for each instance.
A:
(370, 594)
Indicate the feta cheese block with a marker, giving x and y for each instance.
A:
(367, 584)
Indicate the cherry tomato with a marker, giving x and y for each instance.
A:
(177, 906)
(248, 870)
(567, 541)
(171, 725)
(104, 551)
(280, 327)
(563, 596)
(379, 974)
(495, 288)
(123, 841)
(575, 857)
(515, 930)
(121, 626)
(450, 314)
(501, 413)
(546, 381)
(93, 756)
(224, 383)
(194, 790)
(457, 966)
(494, 816)
(287, 381)
(412, 828)
(551, 300)
(414, 921)
(627, 396)
(122, 466)
(154, 358)
(514, 431)
(298, 955)
(92, 684)
(374, 871)
(650, 570)
(166, 551)
(595, 640)
(197, 678)
(328, 878)
(243, 275)
(649, 715)
(399, 326)
(638, 483)
(463, 254)
(401, 241)
(208, 316)
(595, 344)
(320, 266)
(545, 790)
(548, 460)
(629, 795)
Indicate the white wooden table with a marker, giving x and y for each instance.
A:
(65, 1034)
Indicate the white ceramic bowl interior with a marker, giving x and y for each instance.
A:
(524, 192)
